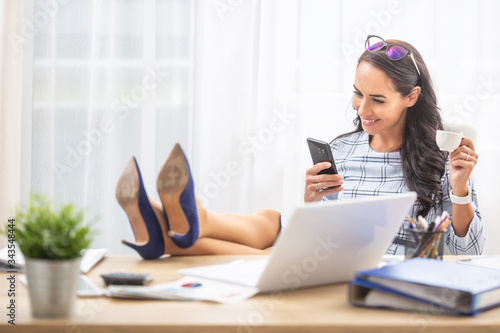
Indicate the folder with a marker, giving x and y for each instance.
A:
(428, 285)
(370, 295)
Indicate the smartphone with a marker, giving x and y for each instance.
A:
(321, 152)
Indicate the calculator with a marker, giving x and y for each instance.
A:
(121, 278)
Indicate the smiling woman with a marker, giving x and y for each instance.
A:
(383, 110)
(393, 148)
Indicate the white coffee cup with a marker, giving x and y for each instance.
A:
(448, 141)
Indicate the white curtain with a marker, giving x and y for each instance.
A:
(112, 79)
(11, 84)
(240, 84)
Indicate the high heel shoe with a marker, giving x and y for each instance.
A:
(176, 190)
(131, 195)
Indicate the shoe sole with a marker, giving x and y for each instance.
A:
(127, 194)
(172, 181)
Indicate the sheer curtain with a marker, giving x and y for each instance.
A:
(240, 85)
(11, 84)
(112, 79)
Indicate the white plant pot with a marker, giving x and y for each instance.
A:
(52, 286)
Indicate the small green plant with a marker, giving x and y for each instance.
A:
(44, 232)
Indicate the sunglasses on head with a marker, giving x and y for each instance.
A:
(394, 51)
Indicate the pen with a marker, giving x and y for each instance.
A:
(422, 223)
(411, 223)
(444, 217)
(428, 246)
(431, 226)
(427, 240)
(433, 250)
(424, 245)
(445, 224)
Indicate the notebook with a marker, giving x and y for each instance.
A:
(90, 258)
(324, 243)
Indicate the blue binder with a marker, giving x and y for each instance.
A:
(443, 286)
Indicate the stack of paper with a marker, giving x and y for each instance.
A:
(187, 289)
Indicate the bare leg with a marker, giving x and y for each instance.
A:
(258, 230)
(208, 245)
(240, 227)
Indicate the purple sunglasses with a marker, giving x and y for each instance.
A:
(394, 51)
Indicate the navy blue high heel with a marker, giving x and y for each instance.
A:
(131, 195)
(176, 190)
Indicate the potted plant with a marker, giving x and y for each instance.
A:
(52, 240)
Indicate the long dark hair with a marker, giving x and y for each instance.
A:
(422, 163)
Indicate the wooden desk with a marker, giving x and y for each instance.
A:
(320, 309)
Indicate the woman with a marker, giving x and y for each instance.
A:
(393, 148)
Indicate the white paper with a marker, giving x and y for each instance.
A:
(187, 288)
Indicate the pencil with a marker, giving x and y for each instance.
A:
(413, 226)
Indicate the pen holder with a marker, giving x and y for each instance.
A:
(424, 244)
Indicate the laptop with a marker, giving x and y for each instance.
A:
(323, 243)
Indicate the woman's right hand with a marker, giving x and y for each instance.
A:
(316, 183)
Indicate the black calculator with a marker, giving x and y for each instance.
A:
(134, 279)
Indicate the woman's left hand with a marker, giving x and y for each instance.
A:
(462, 161)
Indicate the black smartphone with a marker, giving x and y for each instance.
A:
(321, 152)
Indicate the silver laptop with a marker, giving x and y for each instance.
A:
(324, 243)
